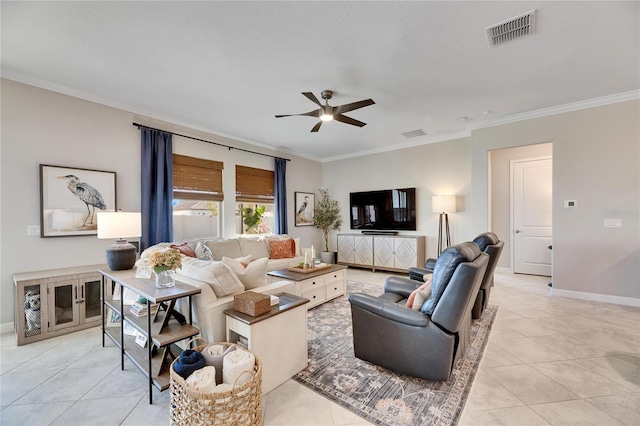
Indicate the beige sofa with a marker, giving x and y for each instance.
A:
(219, 277)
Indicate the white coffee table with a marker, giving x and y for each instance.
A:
(318, 286)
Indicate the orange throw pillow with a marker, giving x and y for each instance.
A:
(185, 249)
(281, 249)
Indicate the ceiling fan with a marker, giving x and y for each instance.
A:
(327, 112)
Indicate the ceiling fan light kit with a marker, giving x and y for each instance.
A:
(328, 113)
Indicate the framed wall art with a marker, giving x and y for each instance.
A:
(304, 207)
(70, 199)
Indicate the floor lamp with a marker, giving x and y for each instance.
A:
(443, 204)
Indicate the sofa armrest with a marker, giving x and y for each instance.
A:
(210, 315)
(388, 310)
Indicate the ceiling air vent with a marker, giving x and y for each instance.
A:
(512, 29)
(413, 134)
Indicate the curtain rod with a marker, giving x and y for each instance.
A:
(213, 143)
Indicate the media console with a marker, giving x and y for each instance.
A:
(382, 251)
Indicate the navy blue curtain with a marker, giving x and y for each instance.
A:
(157, 187)
(280, 196)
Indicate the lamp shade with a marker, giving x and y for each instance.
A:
(120, 225)
(116, 225)
(443, 203)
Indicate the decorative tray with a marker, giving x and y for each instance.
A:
(309, 270)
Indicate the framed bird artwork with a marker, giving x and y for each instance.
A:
(305, 203)
(70, 199)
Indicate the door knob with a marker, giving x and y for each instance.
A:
(518, 231)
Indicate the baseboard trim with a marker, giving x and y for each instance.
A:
(503, 270)
(6, 327)
(617, 300)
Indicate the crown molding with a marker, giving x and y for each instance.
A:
(559, 109)
(137, 111)
(424, 140)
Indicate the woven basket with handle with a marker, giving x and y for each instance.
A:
(239, 406)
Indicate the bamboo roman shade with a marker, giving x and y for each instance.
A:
(254, 185)
(197, 179)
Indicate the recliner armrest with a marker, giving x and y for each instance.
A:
(388, 310)
(417, 274)
(401, 286)
(430, 264)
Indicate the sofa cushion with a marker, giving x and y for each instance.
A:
(217, 274)
(255, 248)
(253, 275)
(229, 248)
(185, 249)
(281, 249)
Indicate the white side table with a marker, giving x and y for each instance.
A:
(278, 338)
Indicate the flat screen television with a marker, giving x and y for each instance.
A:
(385, 210)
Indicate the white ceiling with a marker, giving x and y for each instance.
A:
(229, 67)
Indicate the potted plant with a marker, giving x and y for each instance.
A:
(326, 217)
(252, 218)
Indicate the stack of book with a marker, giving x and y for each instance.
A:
(140, 310)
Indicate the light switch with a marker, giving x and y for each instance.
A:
(613, 223)
(568, 204)
(33, 230)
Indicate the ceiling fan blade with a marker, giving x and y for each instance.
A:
(348, 120)
(315, 113)
(355, 105)
(317, 126)
(312, 98)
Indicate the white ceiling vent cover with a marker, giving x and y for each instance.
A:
(512, 29)
(413, 133)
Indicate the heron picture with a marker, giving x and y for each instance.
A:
(70, 199)
(304, 208)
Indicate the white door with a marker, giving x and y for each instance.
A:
(531, 212)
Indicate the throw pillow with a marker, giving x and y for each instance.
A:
(253, 275)
(296, 242)
(185, 249)
(146, 253)
(281, 249)
(422, 294)
(218, 275)
(412, 296)
(203, 252)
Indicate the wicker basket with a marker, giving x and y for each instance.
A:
(239, 406)
(252, 303)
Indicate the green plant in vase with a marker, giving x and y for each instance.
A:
(252, 218)
(326, 217)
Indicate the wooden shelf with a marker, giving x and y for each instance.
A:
(163, 335)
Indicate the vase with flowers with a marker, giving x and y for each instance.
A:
(164, 263)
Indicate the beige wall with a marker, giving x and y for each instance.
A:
(596, 160)
(434, 169)
(500, 163)
(40, 126)
(596, 155)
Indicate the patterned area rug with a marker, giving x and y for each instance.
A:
(379, 395)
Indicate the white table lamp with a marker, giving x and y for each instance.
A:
(120, 225)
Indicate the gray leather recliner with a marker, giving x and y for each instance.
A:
(487, 242)
(425, 343)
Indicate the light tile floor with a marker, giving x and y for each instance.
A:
(549, 361)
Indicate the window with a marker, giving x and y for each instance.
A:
(197, 196)
(254, 200)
